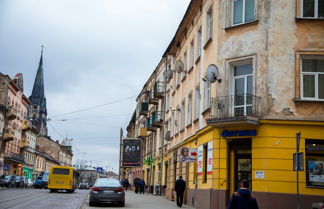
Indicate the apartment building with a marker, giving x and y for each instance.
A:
(243, 118)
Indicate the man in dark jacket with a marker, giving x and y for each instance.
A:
(180, 187)
(243, 199)
(136, 184)
(142, 186)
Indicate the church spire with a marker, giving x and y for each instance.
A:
(38, 100)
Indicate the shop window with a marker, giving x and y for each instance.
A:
(205, 149)
(312, 82)
(315, 163)
(313, 8)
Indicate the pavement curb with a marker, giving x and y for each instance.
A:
(83, 204)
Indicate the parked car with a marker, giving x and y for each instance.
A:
(20, 181)
(42, 181)
(107, 190)
(29, 183)
(319, 205)
(7, 181)
(84, 185)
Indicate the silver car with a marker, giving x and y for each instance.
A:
(107, 190)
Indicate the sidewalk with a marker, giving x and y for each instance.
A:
(146, 201)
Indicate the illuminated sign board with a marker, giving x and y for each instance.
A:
(239, 133)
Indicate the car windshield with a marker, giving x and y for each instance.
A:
(45, 176)
(7, 177)
(103, 182)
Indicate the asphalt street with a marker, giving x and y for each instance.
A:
(41, 199)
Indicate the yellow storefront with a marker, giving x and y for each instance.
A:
(262, 153)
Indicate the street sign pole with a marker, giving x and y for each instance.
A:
(297, 173)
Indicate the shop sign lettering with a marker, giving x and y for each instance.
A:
(227, 133)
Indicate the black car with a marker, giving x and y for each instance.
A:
(20, 181)
(7, 181)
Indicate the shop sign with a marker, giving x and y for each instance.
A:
(188, 155)
(259, 174)
(227, 133)
(200, 160)
(210, 158)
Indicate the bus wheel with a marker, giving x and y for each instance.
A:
(52, 190)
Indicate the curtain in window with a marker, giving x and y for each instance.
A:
(308, 8)
(309, 85)
(249, 10)
(238, 10)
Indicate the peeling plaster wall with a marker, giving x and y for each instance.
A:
(273, 42)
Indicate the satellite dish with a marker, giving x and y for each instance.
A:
(212, 74)
(179, 66)
(168, 74)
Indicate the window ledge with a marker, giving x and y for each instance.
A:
(241, 25)
(208, 42)
(190, 69)
(196, 120)
(188, 125)
(178, 85)
(205, 111)
(183, 78)
(309, 19)
(197, 60)
(307, 100)
(182, 130)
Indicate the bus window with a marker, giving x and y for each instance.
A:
(61, 171)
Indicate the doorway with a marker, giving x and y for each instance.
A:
(240, 163)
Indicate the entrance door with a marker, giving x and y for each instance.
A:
(240, 163)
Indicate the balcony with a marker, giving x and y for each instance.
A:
(152, 99)
(143, 108)
(12, 113)
(149, 125)
(9, 135)
(234, 110)
(142, 132)
(159, 90)
(157, 119)
(26, 124)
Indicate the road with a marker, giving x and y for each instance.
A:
(40, 199)
(43, 199)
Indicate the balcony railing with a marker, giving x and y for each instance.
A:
(152, 98)
(149, 124)
(157, 119)
(235, 106)
(159, 90)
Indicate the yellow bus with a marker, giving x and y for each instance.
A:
(62, 178)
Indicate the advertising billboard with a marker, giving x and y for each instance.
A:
(131, 152)
(188, 155)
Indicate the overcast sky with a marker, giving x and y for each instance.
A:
(96, 52)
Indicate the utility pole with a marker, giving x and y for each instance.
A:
(297, 165)
(120, 153)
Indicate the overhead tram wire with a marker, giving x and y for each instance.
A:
(56, 131)
(93, 117)
(94, 107)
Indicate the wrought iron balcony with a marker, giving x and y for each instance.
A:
(149, 124)
(234, 108)
(157, 119)
(152, 98)
(159, 90)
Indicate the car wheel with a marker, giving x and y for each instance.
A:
(122, 204)
(91, 203)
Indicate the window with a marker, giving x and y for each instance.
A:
(206, 94)
(199, 43)
(167, 101)
(313, 8)
(205, 162)
(61, 171)
(192, 49)
(312, 78)
(189, 110)
(315, 163)
(197, 102)
(177, 122)
(209, 23)
(183, 74)
(243, 11)
(172, 125)
(182, 116)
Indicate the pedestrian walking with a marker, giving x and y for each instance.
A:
(243, 198)
(142, 186)
(136, 184)
(180, 187)
(126, 183)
